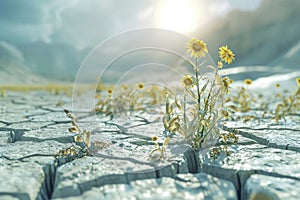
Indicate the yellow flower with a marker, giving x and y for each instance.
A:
(277, 85)
(226, 54)
(226, 83)
(298, 81)
(154, 138)
(248, 81)
(197, 48)
(109, 91)
(187, 81)
(140, 85)
(166, 92)
(220, 64)
(124, 86)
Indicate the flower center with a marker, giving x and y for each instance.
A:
(188, 81)
(197, 47)
(227, 54)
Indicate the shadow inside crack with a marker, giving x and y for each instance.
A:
(64, 139)
(19, 195)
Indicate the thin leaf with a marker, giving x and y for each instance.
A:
(154, 150)
(190, 92)
(174, 119)
(166, 142)
(212, 67)
(182, 132)
(167, 106)
(86, 138)
(204, 87)
(178, 104)
(69, 114)
(77, 138)
(165, 122)
(73, 129)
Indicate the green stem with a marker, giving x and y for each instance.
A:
(209, 94)
(184, 109)
(197, 77)
(198, 92)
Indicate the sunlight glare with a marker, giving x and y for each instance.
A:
(180, 15)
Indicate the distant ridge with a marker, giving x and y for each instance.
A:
(268, 36)
(12, 74)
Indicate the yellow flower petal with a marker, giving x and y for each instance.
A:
(298, 81)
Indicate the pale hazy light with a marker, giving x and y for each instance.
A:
(180, 15)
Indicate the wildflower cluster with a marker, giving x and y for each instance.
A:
(125, 99)
(239, 101)
(242, 100)
(196, 115)
(288, 104)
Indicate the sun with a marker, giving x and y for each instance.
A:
(179, 15)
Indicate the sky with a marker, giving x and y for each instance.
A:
(58, 33)
(84, 23)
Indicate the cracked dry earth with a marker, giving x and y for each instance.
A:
(265, 164)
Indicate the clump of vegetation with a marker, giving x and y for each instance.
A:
(81, 139)
(104, 103)
(288, 104)
(127, 99)
(160, 151)
(72, 152)
(240, 100)
(195, 116)
(83, 145)
(225, 139)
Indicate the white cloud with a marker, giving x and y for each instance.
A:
(219, 8)
(222, 7)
